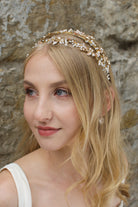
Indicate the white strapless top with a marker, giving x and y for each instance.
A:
(22, 185)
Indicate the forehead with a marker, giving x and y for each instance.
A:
(41, 66)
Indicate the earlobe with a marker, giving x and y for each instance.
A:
(109, 100)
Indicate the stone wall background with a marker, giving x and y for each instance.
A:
(113, 22)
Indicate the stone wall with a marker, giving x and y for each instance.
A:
(115, 25)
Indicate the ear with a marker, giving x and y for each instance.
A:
(108, 100)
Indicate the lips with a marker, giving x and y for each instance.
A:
(47, 131)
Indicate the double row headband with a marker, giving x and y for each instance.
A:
(89, 46)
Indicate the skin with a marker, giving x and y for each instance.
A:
(48, 102)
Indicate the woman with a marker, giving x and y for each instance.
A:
(72, 152)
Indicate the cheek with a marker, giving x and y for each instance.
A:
(72, 116)
(27, 112)
(76, 119)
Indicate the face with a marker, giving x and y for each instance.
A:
(49, 107)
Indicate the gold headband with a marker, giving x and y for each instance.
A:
(89, 46)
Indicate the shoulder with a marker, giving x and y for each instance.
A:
(8, 193)
(32, 163)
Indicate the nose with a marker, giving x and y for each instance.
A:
(43, 111)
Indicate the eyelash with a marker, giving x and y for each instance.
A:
(28, 92)
(68, 93)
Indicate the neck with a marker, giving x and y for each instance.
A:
(59, 164)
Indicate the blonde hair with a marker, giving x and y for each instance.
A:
(97, 153)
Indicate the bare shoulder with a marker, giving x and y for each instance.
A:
(8, 193)
(28, 165)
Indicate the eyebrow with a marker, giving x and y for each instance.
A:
(55, 84)
(52, 85)
(29, 83)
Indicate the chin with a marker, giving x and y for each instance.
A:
(52, 147)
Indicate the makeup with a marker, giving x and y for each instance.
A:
(47, 131)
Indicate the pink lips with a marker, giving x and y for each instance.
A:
(47, 131)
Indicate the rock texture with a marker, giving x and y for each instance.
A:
(114, 24)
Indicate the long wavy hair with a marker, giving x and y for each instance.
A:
(97, 153)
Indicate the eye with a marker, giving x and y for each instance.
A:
(30, 92)
(62, 92)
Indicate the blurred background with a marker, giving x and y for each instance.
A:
(114, 23)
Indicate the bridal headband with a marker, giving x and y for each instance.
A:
(88, 45)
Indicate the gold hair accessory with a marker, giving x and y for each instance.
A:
(89, 46)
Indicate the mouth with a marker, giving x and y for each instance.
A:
(47, 131)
